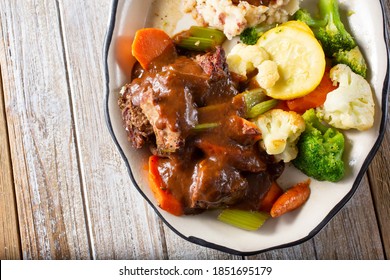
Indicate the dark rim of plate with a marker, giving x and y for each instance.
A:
(202, 242)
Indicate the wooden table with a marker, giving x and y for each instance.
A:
(64, 190)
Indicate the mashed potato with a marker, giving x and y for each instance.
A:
(232, 18)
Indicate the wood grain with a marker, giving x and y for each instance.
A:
(353, 232)
(380, 187)
(304, 251)
(179, 249)
(9, 228)
(379, 175)
(122, 225)
(41, 133)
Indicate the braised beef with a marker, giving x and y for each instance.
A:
(166, 98)
(221, 85)
(216, 184)
(137, 125)
(214, 63)
(222, 166)
(170, 109)
(245, 158)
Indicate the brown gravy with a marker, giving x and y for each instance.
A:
(212, 168)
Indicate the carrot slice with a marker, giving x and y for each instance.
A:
(164, 197)
(282, 105)
(291, 199)
(151, 43)
(123, 54)
(270, 197)
(314, 99)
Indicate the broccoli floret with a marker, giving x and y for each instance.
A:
(333, 35)
(304, 16)
(354, 59)
(337, 43)
(320, 150)
(251, 34)
(328, 28)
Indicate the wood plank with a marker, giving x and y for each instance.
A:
(41, 132)
(379, 175)
(119, 230)
(9, 229)
(304, 251)
(180, 249)
(123, 226)
(353, 232)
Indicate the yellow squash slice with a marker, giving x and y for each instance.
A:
(299, 56)
(299, 25)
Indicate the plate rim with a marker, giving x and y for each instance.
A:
(332, 212)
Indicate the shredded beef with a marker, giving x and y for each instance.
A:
(137, 125)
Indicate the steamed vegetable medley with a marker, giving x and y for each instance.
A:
(222, 126)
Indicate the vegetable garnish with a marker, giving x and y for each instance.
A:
(207, 32)
(274, 192)
(164, 198)
(205, 126)
(291, 199)
(320, 150)
(261, 108)
(314, 99)
(248, 220)
(253, 97)
(200, 38)
(150, 43)
(251, 34)
(299, 57)
(335, 39)
(351, 105)
(280, 131)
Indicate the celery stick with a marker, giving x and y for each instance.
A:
(253, 97)
(261, 108)
(248, 220)
(204, 126)
(211, 108)
(197, 43)
(210, 33)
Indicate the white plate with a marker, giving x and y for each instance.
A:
(366, 24)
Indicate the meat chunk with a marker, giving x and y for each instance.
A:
(220, 82)
(214, 63)
(169, 107)
(216, 185)
(138, 127)
(164, 101)
(244, 158)
(242, 131)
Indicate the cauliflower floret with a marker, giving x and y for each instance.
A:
(268, 74)
(351, 105)
(243, 59)
(280, 131)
